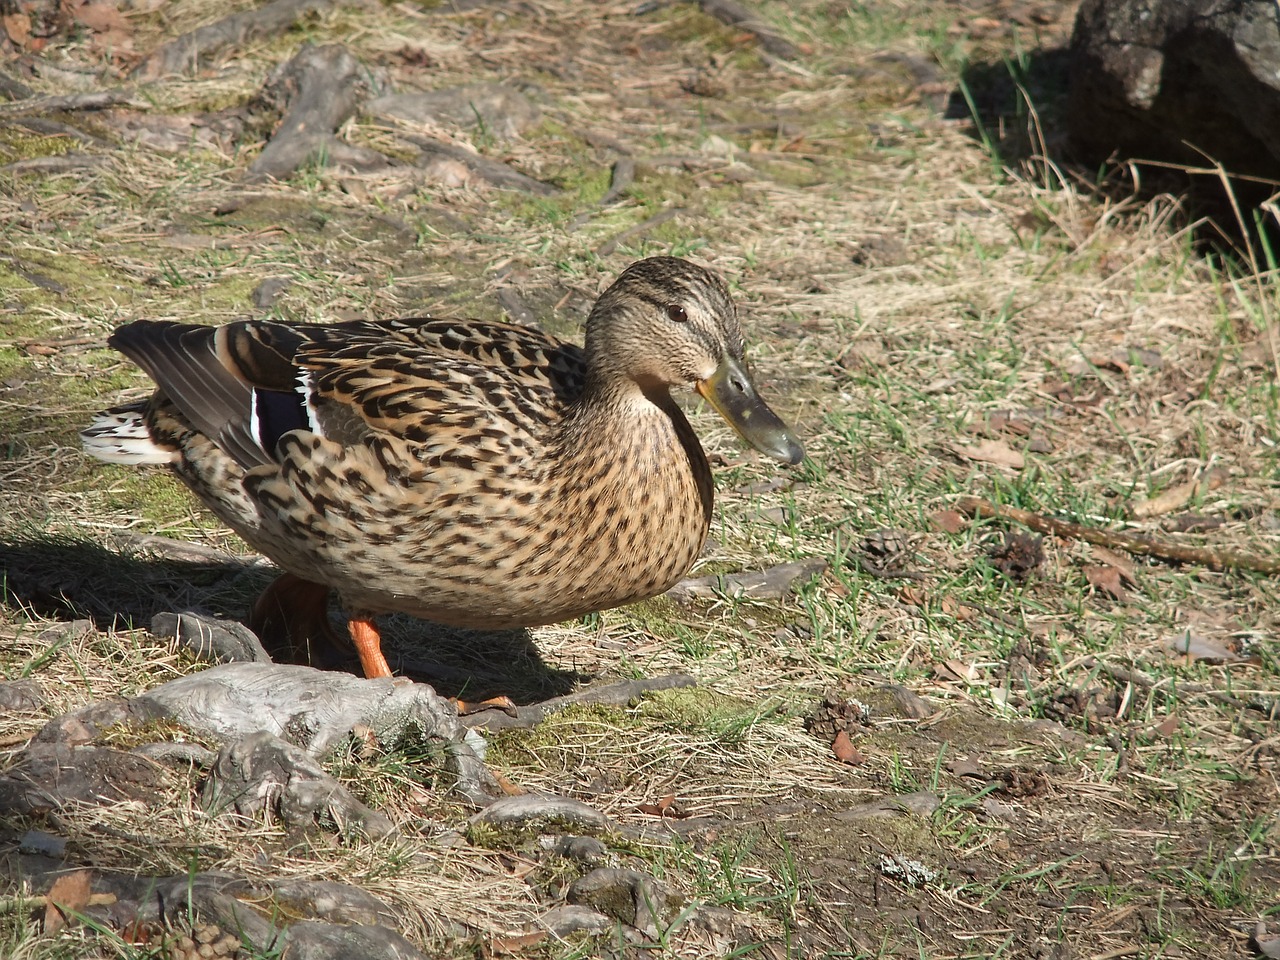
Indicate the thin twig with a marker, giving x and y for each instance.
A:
(612, 244)
(1215, 558)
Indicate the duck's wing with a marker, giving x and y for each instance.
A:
(236, 384)
(443, 383)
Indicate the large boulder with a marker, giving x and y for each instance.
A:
(1178, 81)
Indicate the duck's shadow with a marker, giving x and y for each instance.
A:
(64, 578)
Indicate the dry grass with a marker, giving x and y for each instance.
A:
(906, 296)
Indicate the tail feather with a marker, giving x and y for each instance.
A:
(120, 435)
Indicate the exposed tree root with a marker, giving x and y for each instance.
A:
(189, 51)
(1215, 558)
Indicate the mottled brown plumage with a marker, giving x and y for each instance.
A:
(467, 472)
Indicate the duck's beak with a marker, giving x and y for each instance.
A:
(734, 397)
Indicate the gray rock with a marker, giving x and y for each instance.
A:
(264, 773)
(333, 902)
(922, 803)
(1147, 75)
(88, 723)
(215, 641)
(318, 710)
(581, 849)
(268, 292)
(210, 897)
(313, 940)
(907, 703)
(529, 813)
(45, 844)
(21, 696)
(569, 919)
(635, 898)
(50, 776)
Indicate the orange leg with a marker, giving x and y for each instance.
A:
(364, 633)
(292, 620)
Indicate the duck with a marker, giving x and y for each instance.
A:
(468, 472)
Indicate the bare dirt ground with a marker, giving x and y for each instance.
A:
(1082, 740)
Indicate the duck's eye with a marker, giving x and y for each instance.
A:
(676, 313)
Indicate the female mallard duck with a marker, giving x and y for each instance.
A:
(472, 473)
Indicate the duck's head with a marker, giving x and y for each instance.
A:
(667, 323)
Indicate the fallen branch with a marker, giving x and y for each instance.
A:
(321, 88)
(60, 163)
(183, 551)
(499, 174)
(1141, 680)
(29, 904)
(189, 50)
(615, 694)
(68, 102)
(736, 15)
(1215, 558)
(624, 173)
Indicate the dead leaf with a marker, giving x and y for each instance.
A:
(1187, 644)
(69, 895)
(1168, 726)
(954, 608)
(953, 670)
(1118, 560)
(948, 521)
(18, 27)
(845, 751)
(1086, 366)
(139, 932)
(1164, 502)
(913, 596)
(1172, 499)
(666, 807)
(1106, 579)
(992, 451)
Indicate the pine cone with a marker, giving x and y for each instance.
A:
(204, 942)
(835, 713)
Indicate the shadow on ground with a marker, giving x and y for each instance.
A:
(65, 579)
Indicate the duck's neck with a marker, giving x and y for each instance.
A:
(640, 425)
